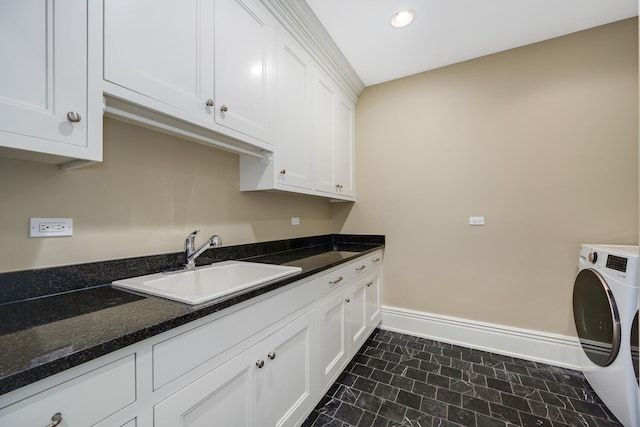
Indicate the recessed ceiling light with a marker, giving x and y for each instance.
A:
(402, 18)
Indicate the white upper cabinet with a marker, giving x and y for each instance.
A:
(205, 62)
(325, 97)
(294, 145)
(334, 131)
(344, 148)
(314, 150)
(163, 50)
(291, 168)
(244, 68)
(44, 80)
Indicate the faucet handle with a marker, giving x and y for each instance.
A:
(193, 233)
(215, 240)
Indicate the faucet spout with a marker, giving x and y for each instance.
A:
(191, 254)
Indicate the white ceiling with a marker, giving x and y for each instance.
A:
(444, 32)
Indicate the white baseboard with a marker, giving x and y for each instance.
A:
(558, 350)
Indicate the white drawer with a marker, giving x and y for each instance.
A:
(375, 259)
(180, 354)
(82, 401)
(333, 280)
(363, 266)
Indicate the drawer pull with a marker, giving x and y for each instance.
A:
(362, 267)
(271, 355)
(347, 300)
(259, 363)
(209, 102)
(375, 260)
(338, 280)
(55, 420)
(369, 284)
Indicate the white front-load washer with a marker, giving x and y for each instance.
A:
(605, 307)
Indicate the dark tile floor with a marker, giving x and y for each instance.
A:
(402, 380)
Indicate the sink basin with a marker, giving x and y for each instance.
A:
(205, 284)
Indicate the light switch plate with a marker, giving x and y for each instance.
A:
(50, 227)
(476, 220)
(295, 220)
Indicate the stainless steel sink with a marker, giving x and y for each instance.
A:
(204, 284)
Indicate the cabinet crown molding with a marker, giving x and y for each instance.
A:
(297, 17)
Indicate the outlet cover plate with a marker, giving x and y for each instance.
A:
(50, 227)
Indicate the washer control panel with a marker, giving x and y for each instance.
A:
(620, 262)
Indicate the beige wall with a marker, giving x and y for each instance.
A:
(541, 140)
(150, 192)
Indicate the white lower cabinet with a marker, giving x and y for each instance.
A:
(333, 348)
(374, 299)
(347, 315)
(357, 315)
(342, 327)
(264, 362)
(83, 400)
(272, 384)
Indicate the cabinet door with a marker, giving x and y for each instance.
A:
(43, 74)
(344, 151)
(244, 58)
(289, 380)
(374, 299)
(357, 316)
(225, 396)
(162, 49)
(324, 105)
(293, 143)
(333, 351)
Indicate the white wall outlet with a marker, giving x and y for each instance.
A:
(50, 227)
(295, 220)
(476, 220)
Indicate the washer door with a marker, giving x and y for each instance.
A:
(596, 316)
(634, 347)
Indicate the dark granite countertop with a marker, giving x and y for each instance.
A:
(56, 318)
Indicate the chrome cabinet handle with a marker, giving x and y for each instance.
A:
(338, 280)
(347, 300)
(375, 260)
(209, 102)
(283, 171)
(74, 116)
(369, 284)
(362, 267)
(338, 185)
(271, 355)
(259, 363)
(55, 420)
(224, 109)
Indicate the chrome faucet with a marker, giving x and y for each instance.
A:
(191, 254)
